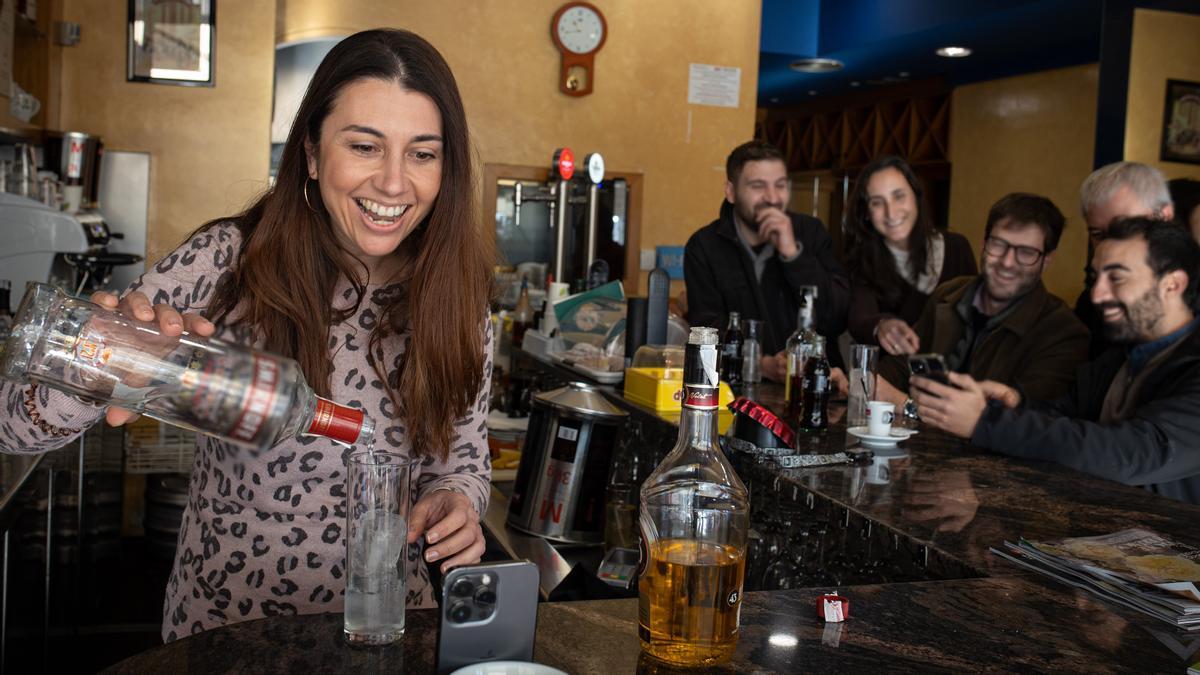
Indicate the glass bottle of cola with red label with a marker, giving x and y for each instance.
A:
(240, 395)
(694, 521)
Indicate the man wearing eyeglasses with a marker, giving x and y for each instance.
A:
(1003, 324)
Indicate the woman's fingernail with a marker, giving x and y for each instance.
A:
(431, 537)
(431, 555)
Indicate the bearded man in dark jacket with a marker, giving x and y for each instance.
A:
(755, 258)
(1133, 415)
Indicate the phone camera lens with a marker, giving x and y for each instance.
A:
(460, 612)
(485, 596)
(463, 587)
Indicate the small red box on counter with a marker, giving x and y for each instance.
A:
(833, 608)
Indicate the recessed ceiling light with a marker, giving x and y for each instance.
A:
(954, 52)
(817, 65)
(812, 92)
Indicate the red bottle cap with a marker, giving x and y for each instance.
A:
(760, 414)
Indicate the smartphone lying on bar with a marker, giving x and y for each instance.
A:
(488, 613)
(931, 366)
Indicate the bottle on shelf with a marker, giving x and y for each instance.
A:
(751, 352)
(522, 316)
(814, 413)
(731, 351)
(799, 347)
(694, 522)
(237, 394)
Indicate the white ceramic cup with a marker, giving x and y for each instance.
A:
(879, 417)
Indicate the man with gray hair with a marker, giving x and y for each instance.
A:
(1118, 190)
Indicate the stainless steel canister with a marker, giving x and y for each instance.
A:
(559, 491)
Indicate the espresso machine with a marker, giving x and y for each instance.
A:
(67, 244)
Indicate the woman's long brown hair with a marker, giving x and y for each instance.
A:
(868, 258)
(281, 288)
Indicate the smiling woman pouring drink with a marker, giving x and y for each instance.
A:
(365, 263)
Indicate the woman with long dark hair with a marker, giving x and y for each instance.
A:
(365, 263)
(897, 257)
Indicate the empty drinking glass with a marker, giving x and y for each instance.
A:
(863, 362)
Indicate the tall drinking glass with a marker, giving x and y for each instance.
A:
(864, 360)
(376, 530)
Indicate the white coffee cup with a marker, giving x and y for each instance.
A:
(879, 417)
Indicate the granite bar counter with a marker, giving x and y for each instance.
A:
(976, 625)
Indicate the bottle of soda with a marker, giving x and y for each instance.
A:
(694, 521)
(239, 395)
(522, 316)
(731, 351)
(814, 415)
(751, 351)
(799, 347)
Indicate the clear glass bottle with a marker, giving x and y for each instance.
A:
(239, 395)
(522, 316)
(751, 353)
(799, 347)
(814, 412)
(621, 497)
(731, 351)
(694, 520)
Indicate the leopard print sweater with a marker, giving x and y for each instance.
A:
(262, 534)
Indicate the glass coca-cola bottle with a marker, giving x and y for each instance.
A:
(731, 351)
(694, 521)
(814, 411)
(799, 347)
(237, 394)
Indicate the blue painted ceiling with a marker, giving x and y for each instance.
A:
(883, 42)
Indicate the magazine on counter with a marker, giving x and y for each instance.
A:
(1137, 568)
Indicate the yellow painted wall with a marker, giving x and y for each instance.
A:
(210, 147)
(1030, 133)
(638, 116)
(1166, 46)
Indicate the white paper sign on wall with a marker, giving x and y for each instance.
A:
(714, 85)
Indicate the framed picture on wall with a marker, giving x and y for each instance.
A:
(172, 42)
(1181, 123)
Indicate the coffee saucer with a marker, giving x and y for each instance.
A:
(869, 440)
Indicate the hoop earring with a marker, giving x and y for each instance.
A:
(305, 191)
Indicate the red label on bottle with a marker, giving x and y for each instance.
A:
(259, 400)
(335, 421)
(700, 398)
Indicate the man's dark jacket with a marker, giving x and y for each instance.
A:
(1157, 447)
(1038, 346)
(720, 279)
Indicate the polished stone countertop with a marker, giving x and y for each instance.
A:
(974, 625)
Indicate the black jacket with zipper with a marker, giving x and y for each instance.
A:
(720, 279)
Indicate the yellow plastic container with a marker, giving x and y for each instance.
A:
(661, 390)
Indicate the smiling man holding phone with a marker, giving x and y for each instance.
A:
(1003, 324)
(756, 256)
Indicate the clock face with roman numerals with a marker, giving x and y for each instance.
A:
(580, 29)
